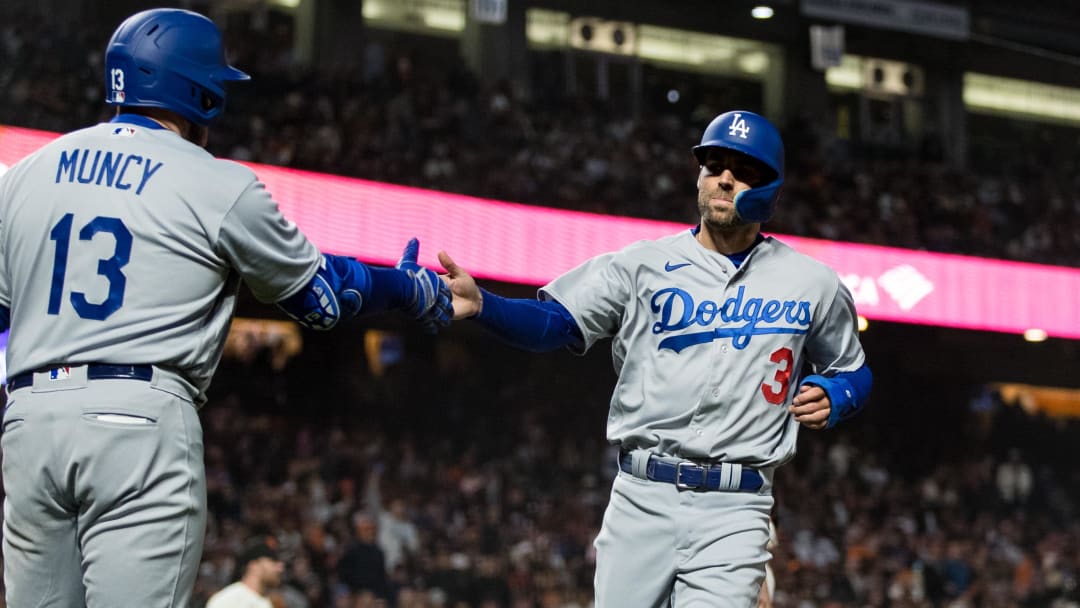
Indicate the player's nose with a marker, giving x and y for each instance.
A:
(726, 179)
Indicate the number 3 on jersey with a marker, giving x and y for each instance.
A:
(107, 267)
(776, 390)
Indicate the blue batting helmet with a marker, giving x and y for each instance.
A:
(170, 59)
(756, 137)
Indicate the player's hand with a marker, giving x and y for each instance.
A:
(430, 303)
(811, 407)
(468, 301)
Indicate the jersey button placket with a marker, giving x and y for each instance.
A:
(716, 388)
(697, 423)
(711, 397)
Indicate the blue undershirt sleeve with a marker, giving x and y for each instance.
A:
(847, 391)
(390, 288)
(529, 324)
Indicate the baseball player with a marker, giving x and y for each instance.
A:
(122, 246)
(712, 330)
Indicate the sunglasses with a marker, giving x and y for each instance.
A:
(744, 168)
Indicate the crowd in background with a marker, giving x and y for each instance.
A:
(432, 485)
(412, 113)
(371, 496)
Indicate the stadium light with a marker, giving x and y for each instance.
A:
(762, 11)
(1035, 335)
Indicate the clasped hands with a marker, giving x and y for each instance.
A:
(438, 299)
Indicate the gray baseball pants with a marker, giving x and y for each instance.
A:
(105, 489)
(660, 546)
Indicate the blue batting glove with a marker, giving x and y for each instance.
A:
(431, 299)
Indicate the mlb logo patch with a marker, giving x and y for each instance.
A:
(118, 97)
(124, 131)
(59, 373)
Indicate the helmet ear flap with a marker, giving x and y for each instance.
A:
(756, 205)
(755, 136)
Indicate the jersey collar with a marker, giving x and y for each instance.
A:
(137, 120)
(738, 257)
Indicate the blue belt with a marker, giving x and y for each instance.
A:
(94, 371)
(692, 476)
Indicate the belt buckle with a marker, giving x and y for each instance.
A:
(678, 476)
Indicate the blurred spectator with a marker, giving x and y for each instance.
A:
(362, 568)
(397, 537)
(260, 571)
(1014, 479)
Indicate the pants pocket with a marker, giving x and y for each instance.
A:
(119, 418)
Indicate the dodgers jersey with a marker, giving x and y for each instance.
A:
(124, 243)
(708, 355)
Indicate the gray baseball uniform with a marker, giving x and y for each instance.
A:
(708, 358)
(122, 244)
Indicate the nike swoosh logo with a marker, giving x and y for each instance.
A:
(669, 266)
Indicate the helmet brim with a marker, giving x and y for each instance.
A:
(230, 74)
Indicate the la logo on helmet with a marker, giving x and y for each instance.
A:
(738, 126)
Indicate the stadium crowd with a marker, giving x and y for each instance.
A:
(460, 492)
(977, 510)
(414, 114)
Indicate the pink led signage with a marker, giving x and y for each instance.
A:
(531, 245)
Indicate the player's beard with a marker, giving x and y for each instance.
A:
(718, 220)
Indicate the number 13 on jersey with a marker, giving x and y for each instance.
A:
(109, 268)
